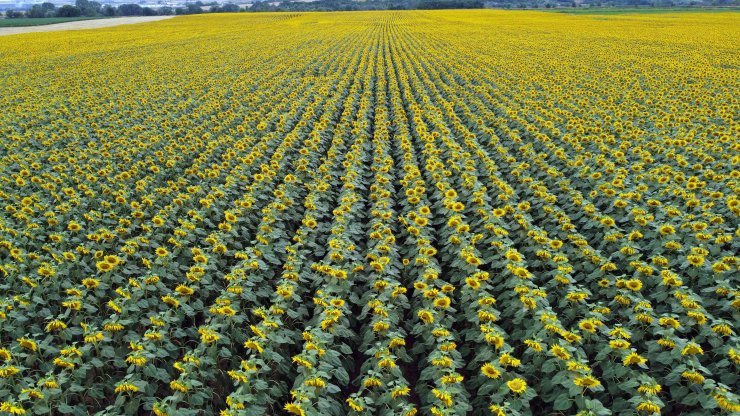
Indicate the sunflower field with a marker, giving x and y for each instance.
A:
(372, 213)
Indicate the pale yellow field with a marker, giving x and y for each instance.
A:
(82, 24)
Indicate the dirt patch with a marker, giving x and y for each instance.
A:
(83, 24)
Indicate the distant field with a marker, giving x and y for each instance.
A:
(40, 21)
(643, 10)
(80, 24)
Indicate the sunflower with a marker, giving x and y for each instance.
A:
(560, 352)
(442, 302)
(619, 344)
(507, 360)
(316, 382)
(473, 283)
(372, 382)
(692, 348)
(652, 389)
(126, 388)
(533, 344)
(184, 290)
(588, 325)
(634, 358)
(354, 405)
(517, 385)
(28, 344)
(666, 229)
(90, 283)
(634, 285)
(648, 407)
(136, 360)
(587, 382)
(400, 391)
(11, 408)
(178, 386)
(490, 371)
(425, 316)
(669, 322)
(253, 345)
(444, 397)
(695, 260)
(55, 325)
(497, 410)
(294, 408)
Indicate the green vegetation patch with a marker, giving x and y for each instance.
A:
(40, 21)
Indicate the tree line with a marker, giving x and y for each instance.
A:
(88, 8)
(352, 5)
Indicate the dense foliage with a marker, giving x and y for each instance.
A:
(94, 9)
(377, 213)
(352, 5)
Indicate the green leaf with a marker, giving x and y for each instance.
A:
(65, 409)
(562, 402)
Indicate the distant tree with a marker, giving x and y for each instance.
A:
(166, 11)
(68, 11)
(109, 11)
(148, 11)
(88, 8)
(450, 4)
(49, 8)
(36, 12)
(230, 8)
(193, 8)
(130, 10)
(12, 14)
(41, 10)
